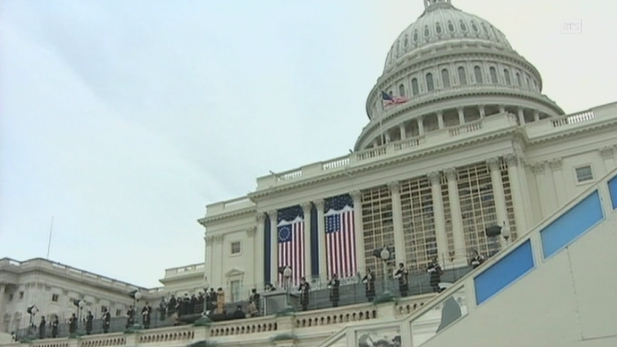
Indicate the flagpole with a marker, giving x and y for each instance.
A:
(51, 229)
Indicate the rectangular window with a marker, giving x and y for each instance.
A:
(103, 308)
(54, 297)
(118, 312)
(584, 174)
(235, 290)
(236, 247)
(10, 297)
(21, 295)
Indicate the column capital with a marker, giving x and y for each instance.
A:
(273, 214)
(319, 203)
(512, 159)
(209, 239)
(306, 206)
(537, 168)
(250, 231)
(451, 173)
(606, 152)
(260, 217)
(394, 186)
(356, 195)
(555, 164)
(440, 113)
(493, 163)
(434, 177)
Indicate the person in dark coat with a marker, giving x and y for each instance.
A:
(238, 314)
(369, 285)
(106, 321)
(162, 309)
(334, 285)
(402, 275)
(54, 326)
(173, 304)
(130, 317)
(146, 313)
(42, 327)
(89, 321)
(254, 303)
(304, 293)
(476, 260)
(73, 324)
(435, 271)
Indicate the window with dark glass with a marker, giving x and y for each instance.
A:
(438, 28)
(477, 71)
(463, 26)
(414, 87)
(401, 90)
(450, 26)
(518, 79)
(426, 32)
(429, 82)
(493, 75)
(506, 75)
(445, 76)
(462, 77)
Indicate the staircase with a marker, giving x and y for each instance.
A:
(554, 286)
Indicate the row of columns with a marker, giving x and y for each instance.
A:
(461, 119)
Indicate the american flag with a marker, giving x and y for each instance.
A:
(291, 242)
(340, 237)
(392, 100)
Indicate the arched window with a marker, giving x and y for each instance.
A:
(429, 82)
(518, 79)
(415, 36)
(462, 77)
(474, 26)
(506, 74)
(445, 76)
(493, 75)
(438, 28)
(463, 26)
(414, 87)
(401, 90)
(478, 74)
(406, 42)
(450, 27)
(426, 32)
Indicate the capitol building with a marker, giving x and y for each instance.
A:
(461, 153)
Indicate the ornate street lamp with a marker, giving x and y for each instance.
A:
(136, 295)
(384, 254)
(81, 304)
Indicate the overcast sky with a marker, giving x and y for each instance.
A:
(124, 119)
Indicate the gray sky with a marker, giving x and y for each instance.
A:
(124, 119)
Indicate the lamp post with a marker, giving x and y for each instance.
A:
(81, 304)
(385, 256)
(505, 232)
(205, 304)
(136, 295)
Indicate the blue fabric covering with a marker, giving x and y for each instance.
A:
(612, 188)
(504, 272)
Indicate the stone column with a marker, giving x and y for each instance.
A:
(558, 184)
(274, 249)
(501, 210)
(397, 222)
(251, 252)
(502, 109)
(536, 116)
(482, 111)
(306, 208)
(403, 131)
(420, 121)
(517, 193)
(608, 157)
(439, 215)
(548, 200)
(356, 195)
(218, 245)
(521, 116)
(209, 263)
(375, 143)
(321, 230)
(387, 136)
(460, 252)
(2, 310)
(260, 277)
(440, 119)
(461, 115)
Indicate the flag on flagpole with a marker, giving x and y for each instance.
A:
(341, 258)
(291, 243)
(390, 100)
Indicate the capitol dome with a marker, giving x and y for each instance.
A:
(442, 22)
(445, 70)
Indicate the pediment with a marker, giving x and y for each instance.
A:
(234, 272)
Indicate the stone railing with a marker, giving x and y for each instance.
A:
(323, 322)
(181, 270)
(550, 126)
(10, 265)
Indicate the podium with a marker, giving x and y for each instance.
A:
(274, 301)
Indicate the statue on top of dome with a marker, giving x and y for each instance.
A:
(428, 3)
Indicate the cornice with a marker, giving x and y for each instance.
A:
(296, 184)
(574, 131)
(186, 276)
(235, 213)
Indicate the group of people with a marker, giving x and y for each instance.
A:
(73, 322)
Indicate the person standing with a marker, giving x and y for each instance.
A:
(89, 321)
(254, 303)
(73, 324)
(334, 285)
(477, 259)
(130, 317)
(369, 285)
(402, 275)
(42, 326)
(434, 269)
(106, 320)
(304, 293)
(162, 309)
(54, 326)
(145, 315)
